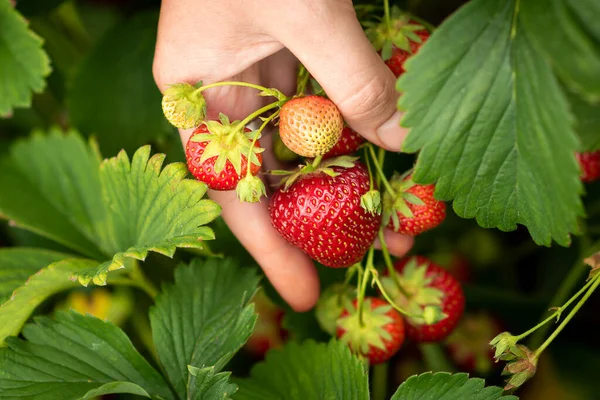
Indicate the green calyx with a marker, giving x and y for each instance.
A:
(399, 201)
(183, 105)
(423, 302)
(371, 202)
(250, 189)
(325, 167)
(400, 32)
(228, 142)
(371, 332)
(505, 346)
(332, 302)
(521, 369)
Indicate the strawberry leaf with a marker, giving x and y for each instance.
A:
(566, 31)
(25, 64)
(20, 263)
(75, 357)
(108, 211)
(49, 280)
(209, 385)
(307, 371)
(449, 387)
(492, 125)
(203, 319)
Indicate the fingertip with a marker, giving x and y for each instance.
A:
(397, 244)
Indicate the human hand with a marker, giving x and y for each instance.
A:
(261, 42)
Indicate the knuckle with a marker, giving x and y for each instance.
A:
(369, 99)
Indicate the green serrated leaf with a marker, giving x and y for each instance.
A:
(449, 387)
(56, 193)
(18, 264)
(183, 325)
(49, 280)
(24, 63)
(75, 357)
(307, 371)
(107, 211)
(113, 95)
(559, 30)
(492, 125)
(205, 384)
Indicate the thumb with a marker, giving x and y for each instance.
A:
(336, 51)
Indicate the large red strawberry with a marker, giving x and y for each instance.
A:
(469, 344)
(310, 126)
(322, 215)
(349, 143)
(378, 337)
(425, 284)
(399, 56)
(217, 153)
(412, 209)
(590, 166)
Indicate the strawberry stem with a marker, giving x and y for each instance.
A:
(269, 91)
(558, 311)
(363, 285)
(141, 281)
(260, 111)
(303, 77)
(380, 378)
(370, 170)
(316, 162)
(387, 297)
(258, 132)
(386, 11)
(596, 283)
(390, 266)
(379, 169)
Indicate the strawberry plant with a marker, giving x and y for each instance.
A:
(464, 266)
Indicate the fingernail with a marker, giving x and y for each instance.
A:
(391, 134)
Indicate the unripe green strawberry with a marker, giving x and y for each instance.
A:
(183, 106)
(310, 126)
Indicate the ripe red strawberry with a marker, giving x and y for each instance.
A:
(426, 284)
(381, 334)
(310, 126)
(413, 210)
(348, 144)
(217, 154)
(399, 56)
(469, 344)
(268, 333)
(590, 166)
(323, 216)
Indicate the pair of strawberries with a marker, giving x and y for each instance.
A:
(418, 283)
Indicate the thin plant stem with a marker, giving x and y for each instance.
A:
(141, 281)
(384, 180)
(244, 84)
(390, 266)
(260, 111)
(576, 273)
(386, 12)
(258, 132)
(363, 285)
(380, 381)
(370, 170)
(540, 350)
(317, 161)
(557, 312)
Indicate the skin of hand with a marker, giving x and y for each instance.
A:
(261, 41)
